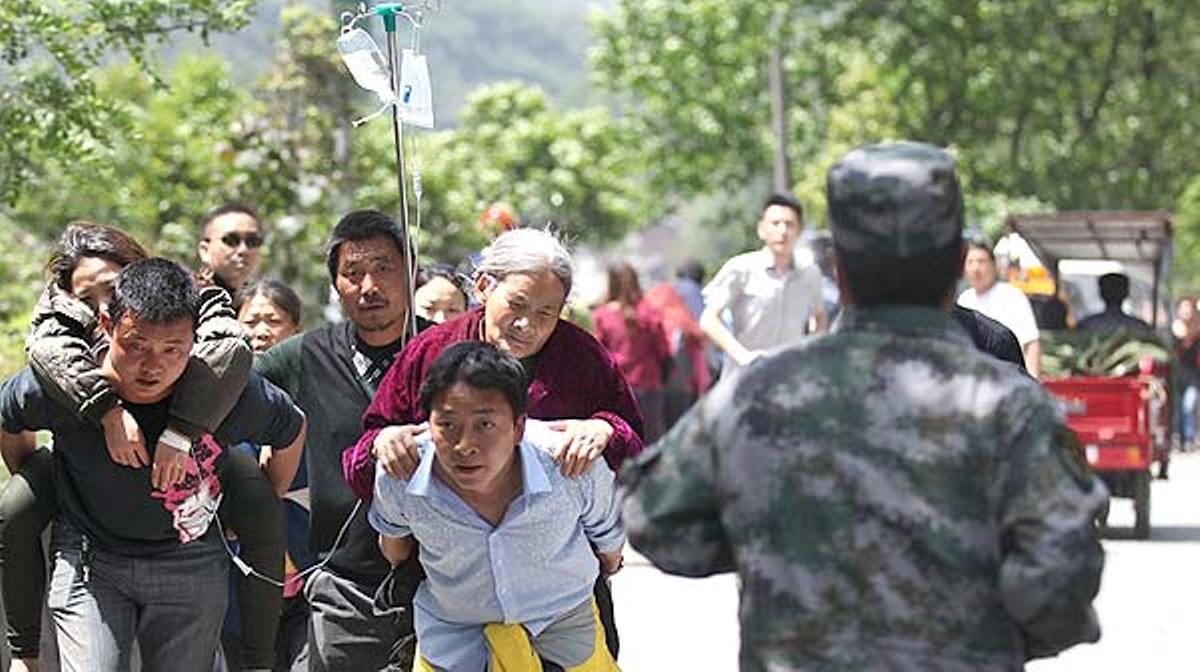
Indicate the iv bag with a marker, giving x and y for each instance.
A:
(366, 64)
(416, 98)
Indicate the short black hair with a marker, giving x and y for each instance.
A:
(787, 202)
(362, 225)
(155, 290)
(225, 209)
(691, 270)
(923, 280)
(481, 366)
(981, 244)
(1114, 288)
(277, 293)
(81, 240)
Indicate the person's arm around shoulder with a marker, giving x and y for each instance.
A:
(671, 503)
(61, 357)
(1051, 560)
(390, 424)
(613, 428)
(217, 370)
(59, 348)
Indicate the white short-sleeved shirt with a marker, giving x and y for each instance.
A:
(769, 308)
(1008, 306)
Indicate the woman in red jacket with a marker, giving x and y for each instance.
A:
(632, 330)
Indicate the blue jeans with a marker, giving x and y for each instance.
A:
(1187, 415)
(172, 602)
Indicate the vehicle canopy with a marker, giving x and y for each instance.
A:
(1140, 242)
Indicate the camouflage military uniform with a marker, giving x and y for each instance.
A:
(890, 497)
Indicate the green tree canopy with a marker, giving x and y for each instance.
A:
(1080, 104)
(49, 103)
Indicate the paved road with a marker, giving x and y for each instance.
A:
(1149, 602)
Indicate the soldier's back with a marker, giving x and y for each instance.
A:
(865, 475)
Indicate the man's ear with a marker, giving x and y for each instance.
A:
(202, 250)
(106, 321)
(519, 428)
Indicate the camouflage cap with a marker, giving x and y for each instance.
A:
(894, 200)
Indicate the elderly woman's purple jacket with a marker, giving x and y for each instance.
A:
(576, 378)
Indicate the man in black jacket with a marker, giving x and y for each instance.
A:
(332, 373)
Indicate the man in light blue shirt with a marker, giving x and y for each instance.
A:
(504, 536)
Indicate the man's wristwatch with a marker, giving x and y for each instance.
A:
(177, 440)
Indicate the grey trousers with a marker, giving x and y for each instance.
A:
(173, 603)
(347, 634)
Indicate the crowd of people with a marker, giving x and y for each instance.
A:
(420, 485)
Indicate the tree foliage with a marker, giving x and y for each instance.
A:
(49, 103)
(193, 139)
(570, 169)
(1080, 104)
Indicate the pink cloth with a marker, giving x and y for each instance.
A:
(576, 378)
(640, 347)
(193, 501)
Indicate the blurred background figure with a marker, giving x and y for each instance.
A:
(498, 218)
(1186, 330)
(689, 286)
(230, 246)
(1185, 319)
(689, 374)
(1114, 289)
(632, 330)
(270, 311)
(772, 295)
(1000, 301)
(441, 294)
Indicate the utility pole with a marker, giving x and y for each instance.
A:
(782, 173)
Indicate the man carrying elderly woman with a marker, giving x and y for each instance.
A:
(523, 281)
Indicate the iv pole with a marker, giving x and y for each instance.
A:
(389, 11)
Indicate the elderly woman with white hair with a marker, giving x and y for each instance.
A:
(523, 281)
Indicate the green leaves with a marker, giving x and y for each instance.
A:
(569, 168)
(1081, 104)
(49, 106)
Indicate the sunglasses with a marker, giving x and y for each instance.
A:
(252, 240)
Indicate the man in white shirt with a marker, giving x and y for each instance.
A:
(1000, 301)
(773, 293)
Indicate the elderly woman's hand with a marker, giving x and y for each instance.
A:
(395, 449)
(584, 442)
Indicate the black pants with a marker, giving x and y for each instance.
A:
(250, 507)
(27, 506)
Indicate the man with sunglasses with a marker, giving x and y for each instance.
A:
(230, 246)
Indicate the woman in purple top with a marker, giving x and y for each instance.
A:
(523, 281)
